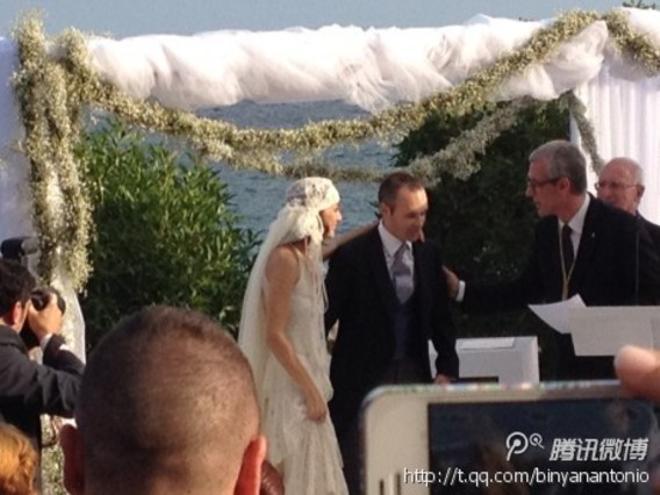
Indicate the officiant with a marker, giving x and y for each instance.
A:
(581, 246)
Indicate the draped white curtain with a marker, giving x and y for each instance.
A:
(16, 197)
(626, 119)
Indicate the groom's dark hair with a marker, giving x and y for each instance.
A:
(393, 182)
(167, 397)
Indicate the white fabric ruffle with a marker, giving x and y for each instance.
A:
(372, 68)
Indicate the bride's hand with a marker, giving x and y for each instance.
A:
(317, 409)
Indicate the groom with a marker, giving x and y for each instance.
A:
(386, 289)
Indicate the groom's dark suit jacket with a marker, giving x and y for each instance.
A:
(361, 296)
(616, 265)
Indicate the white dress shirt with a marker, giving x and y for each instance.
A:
(577, 224)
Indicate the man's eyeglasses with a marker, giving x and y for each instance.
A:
(615, 186)
(536, 184)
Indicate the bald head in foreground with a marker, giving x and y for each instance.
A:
(167, 406)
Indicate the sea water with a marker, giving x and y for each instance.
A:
(258, 196)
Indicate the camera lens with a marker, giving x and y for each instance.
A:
(40, 297)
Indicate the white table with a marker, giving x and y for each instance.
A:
(512, 360)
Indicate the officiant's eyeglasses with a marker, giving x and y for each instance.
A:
(615, 186)
(534, 184)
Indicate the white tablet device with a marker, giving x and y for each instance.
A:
(557, 438)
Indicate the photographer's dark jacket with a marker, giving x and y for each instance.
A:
(28, 389)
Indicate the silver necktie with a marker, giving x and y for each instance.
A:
(402, 274)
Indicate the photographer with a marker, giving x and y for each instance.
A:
(28, 389)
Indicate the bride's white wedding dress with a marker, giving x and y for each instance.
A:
(305, 451)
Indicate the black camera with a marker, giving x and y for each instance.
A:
(20, 249)
(40, 298)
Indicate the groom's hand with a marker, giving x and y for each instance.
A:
(441, 379)
(452, 282)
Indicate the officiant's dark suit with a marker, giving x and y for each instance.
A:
(653, 231)
(621, 184)
(581, 246)
(605, 272)
(382, 340)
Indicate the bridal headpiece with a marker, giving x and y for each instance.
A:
(305, 198)
(316, 193)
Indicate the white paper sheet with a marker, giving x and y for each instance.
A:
(487, 343)
(602, 331)
(655, 330)
(556, 314)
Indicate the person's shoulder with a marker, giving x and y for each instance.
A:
(614, 219)
(12, 350)
(650, 230)
(281, 260)
(545, 224)
(428, 253)
(8, 336)
(610, 212)
(358, 243)
(653, 228)
(432, 246)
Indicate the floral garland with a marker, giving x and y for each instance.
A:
(223, 141)
(51, 125)
(256, 148)
(634, 45)
(52, 88)
(459, 157)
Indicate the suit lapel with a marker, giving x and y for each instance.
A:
(588, 242)
(548, 238)
(381, 275)
(420, 276)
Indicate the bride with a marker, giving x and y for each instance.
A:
(282, 334)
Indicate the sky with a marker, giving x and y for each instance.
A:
(121, 18)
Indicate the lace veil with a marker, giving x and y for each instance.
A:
(298, 219)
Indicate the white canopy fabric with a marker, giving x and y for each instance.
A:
(375, 68)
(372, 68)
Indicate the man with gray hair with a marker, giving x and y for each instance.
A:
(621, 184)
(582, 246)
(167, 405)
